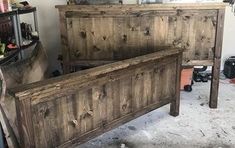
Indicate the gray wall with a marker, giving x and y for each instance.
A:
(50, 35)
(49, 31)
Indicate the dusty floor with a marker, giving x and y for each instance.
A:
(197, 125)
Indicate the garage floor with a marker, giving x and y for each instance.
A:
(197, 125)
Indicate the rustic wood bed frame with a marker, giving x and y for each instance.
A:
(72, 109)
(96, 34)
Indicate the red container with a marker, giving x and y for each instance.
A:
(186, 77)
(3, 6)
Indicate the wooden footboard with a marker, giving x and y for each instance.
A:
(72, 109)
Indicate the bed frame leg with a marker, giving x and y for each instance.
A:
(217, 59)
(175, 104)
(215, 84)
(174, 109)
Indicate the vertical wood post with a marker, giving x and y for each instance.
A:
(217, 60)
(175, 104)
(25, 124)
(64, 41)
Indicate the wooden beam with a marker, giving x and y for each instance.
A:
(169, 6)
(70, 79)
(217, 60)
(93, 63)
(175, 104)
(199, 63)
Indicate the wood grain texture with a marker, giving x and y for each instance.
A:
(90, 104)
(184, 6)
(118, 34)
(25, 123)
(141, 29)
(217, 60)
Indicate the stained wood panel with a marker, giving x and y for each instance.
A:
(121, 37)
(90, 102)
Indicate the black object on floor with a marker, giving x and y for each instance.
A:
(188, 88)
(199, 75)
(229, 68)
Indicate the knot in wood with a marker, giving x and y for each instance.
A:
(124, 38)
(179, 12)
(147, 31)
(96, 48)
(124, 107)
(104, 123)
(83, 34)
(75, 123)
(102, 12)
(77, 53)
(44, 112)
(87, 114)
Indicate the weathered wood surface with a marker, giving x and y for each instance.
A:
(116, 32)
(74, 108)
(133, 7)
(217, 60)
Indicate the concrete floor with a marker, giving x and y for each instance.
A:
(196, 126)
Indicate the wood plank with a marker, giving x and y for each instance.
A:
(64, 40)
(123, 41)
(155, 84)
(116, 99)
(190, 43)
(102, 38)
(160, 31)
(58, 83)
(169, 6)
(45, 124)
(125, 96)
(175, 104)
(86, 110)
(217, 60)
(89, 63)
(147, 92)
(110, 101)
(99, 101)
(24, 117)
(198, 63)
(137, 89)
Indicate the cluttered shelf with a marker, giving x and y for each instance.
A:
(15, 37)
(32, 43)
(12, 55)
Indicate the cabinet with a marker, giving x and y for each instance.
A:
(14, 16)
